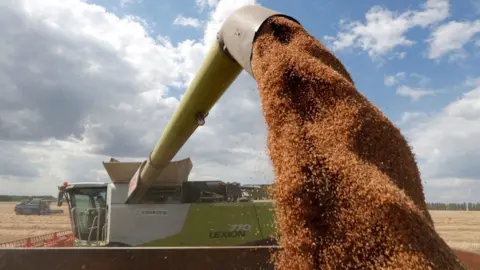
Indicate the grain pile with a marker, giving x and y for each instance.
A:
(348, 191)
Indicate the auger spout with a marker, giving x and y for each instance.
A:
(222, 65)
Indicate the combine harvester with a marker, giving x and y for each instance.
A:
(36, 206)
(173, 211)
(151, 204)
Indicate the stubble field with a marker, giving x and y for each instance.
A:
(13, 227)
(460, 229)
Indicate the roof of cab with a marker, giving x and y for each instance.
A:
(86, 185)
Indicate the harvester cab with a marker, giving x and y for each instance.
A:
(88, 211)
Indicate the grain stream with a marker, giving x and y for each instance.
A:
(348, 191)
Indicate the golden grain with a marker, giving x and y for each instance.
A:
(348, 191)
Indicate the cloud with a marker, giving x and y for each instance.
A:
(184, 21)
(421, 79)
(390, 80)
(448, 148)
(84, 65)
(14, 164)
(418, 79)
(126, 3)
(450, 38)
(472, 82)
(385, 30)
(408, 117)
(96, 85)
(414, 93)
(452, 189)
(206, 3)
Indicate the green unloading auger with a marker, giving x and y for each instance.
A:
(228, 56)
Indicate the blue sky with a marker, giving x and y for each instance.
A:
(322, 19)
(105, 76)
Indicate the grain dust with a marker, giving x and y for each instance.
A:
(348, 191)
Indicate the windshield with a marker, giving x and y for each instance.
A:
(88, 212)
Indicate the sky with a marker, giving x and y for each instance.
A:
(83, 81)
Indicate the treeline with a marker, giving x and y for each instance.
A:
(263, 192)
(454, 206)
(18, 198)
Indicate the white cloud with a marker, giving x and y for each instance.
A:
(126, 3)
(472, 82)
(448, 146)
(400, 55)
(414, 78)
(421, 79)
(384, 30)
(206, 3)
(452, 189)
(187, 21)
(408, 117)
(414, 93)
(96, 85)
(390, 80)
(450, 38)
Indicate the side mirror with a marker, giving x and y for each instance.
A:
(60, 198)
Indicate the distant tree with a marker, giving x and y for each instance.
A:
(18, 198)
(454, 206)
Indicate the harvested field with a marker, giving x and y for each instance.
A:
(13, 227)
(458, 228)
